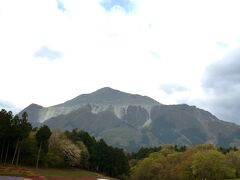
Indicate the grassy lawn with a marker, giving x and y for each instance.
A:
(17, 171)
(9, 170)
(66, 173)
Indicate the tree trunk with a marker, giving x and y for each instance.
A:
(38, 154)
(2, 153)
(15, 151)
(19, 149)
(6, 153)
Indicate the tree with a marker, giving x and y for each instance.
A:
(83, 136)
(119, 163)
(111, 161)
(29, 150)
(103, 158)
(144, 152)
(65, 148)
(84, 162)
(15, 135)
(205, 147)
(152, 167)
(211, 164)
(233, 158)
(184, 166)
(5, 131)
(167, 149)
(201, 162)
(13, 130)
(24, 128)
(42, 136)
(89, 142)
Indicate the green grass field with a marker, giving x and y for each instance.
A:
(66, 173)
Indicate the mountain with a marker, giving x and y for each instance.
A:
(130, 121)
(108, 96)
(101, 100)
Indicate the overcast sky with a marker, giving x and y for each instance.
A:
(173, 51)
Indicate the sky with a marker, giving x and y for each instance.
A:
(173, 51)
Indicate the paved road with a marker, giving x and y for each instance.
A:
(20, 178)
(10, 178)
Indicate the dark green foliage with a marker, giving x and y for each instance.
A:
(144, 152)
(180, 148)
(227, 149)
(17, 145)
(13, 132)
(54, 160)
(5, 134)
(43, 133)
(103, 158)
(5, 124)
(83, 136)
(22, 127)
(29, 150)
(84, 162)
(109, 160)
(42, 136)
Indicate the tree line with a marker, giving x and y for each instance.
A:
(21, 144)
(14, 134)
(168, 162)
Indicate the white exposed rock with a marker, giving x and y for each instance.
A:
(100, 100)
(147, 123)
(47, 113)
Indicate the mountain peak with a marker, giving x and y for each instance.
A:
(109, 96)
(33, 105)
(105, 90)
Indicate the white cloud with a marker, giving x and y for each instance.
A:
(159, 42)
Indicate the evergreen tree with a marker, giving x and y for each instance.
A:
(5, 133)
(42, 136)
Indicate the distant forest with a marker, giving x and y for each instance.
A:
(21, 144)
